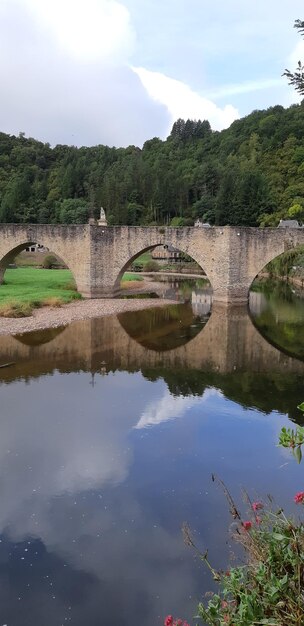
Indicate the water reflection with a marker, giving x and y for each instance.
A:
(110, 430)
(197, 291)
(227, 353)
(165, 328)
(278, 313)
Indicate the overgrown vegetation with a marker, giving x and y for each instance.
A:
(28, 288)
(248, 174)
(269, 588)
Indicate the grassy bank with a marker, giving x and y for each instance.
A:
(130, 281)
(27, 288)
(129, 277)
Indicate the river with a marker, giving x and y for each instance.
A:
(110, 432)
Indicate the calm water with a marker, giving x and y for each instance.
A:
(110, 430)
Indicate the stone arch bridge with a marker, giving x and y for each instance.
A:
(98, 255)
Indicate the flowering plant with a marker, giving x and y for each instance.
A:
(269, 589)
(170, 621)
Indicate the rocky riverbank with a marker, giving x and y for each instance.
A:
(48, 317)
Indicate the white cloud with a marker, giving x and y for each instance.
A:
(94, 29)
(49, 94)
(170, 407)
(182, 101)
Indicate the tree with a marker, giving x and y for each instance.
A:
(297, 78)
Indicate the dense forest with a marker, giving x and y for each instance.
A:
(249, 174)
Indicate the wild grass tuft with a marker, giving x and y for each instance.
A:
(16, 309)
(53, 301)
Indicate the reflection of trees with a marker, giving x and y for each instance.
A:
(265, 392)
(162, 329)
(180, 382)
(274, 289)
(281, 321)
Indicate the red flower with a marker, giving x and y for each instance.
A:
(247, 525)
(168, 621)
(299, 497)
(257, 506)
(258, 520)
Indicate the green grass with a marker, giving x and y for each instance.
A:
(143, 258)
(128, 276)
(35, 286)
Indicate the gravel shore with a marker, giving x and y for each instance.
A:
(48, 317)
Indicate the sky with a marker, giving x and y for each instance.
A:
(119, 72)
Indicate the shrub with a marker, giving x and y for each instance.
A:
(136, 267)
(269, 589)
(50, 262)
(151, 266)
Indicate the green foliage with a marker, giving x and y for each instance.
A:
(248, 174)
(269, 588)
(151, 266)
(49, 262)
(296, 212)
(283, 264)
(128, 276)
(293, 439)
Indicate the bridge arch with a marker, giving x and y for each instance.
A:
(9, 257)
(135, 255)
(271, 256)
(71, 243)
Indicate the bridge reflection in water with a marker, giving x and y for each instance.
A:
(170, 338)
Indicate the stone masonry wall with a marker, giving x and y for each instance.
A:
(98, 256)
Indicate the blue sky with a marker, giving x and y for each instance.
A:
(121, 71)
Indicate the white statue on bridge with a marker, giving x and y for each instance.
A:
(102, 220)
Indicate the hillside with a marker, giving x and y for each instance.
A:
(249, 174)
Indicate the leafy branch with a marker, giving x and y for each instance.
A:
(293, 439)
(296, 78)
